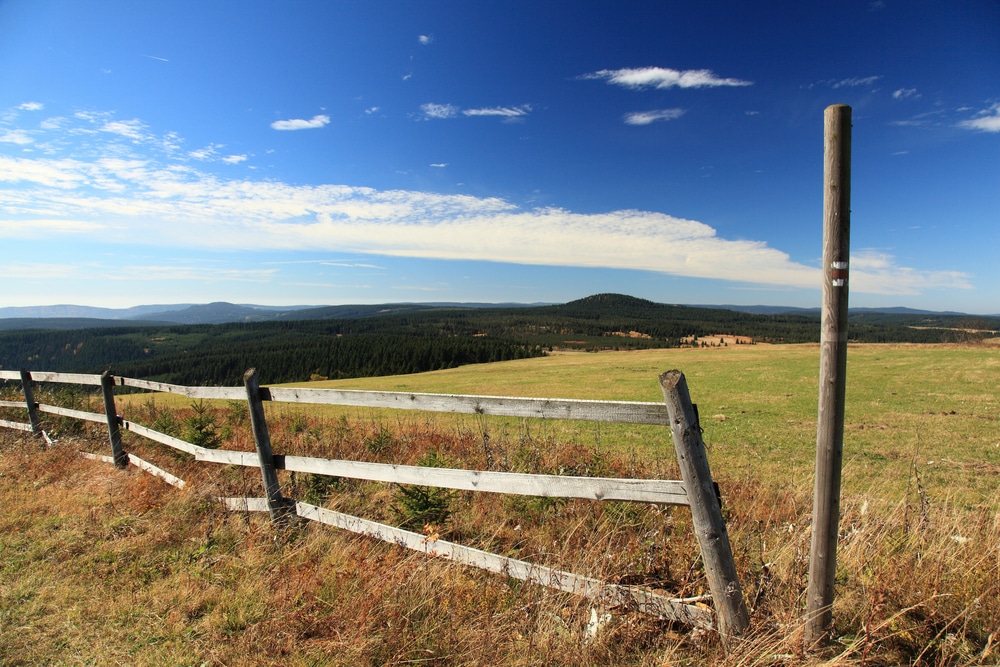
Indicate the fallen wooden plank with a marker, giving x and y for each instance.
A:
(633, 598)
(158, 472)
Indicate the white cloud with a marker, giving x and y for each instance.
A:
(875, 272)
(647, 117)
(855, 82)
(234, 159)
(131, 129)
(436, 111)
(207, 153)
(301, 124)
(439, 165)
(904, 93)
(139, 193)
(19, 137)
(506, 112)
(31, 106)
(371, 110)
(987, 120)
(661, 77)
(425, 39)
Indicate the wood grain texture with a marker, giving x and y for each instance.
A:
(706, 515)
(624, 412)
(832, 374)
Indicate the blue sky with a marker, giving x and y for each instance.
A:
(364, 152)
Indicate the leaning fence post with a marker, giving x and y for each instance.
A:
(277, 505)
(29, 399)
(706, 514)
(114, 434)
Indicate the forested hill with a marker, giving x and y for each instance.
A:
(387, 340)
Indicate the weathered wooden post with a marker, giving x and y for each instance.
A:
(832, 373)
(29, 399)
(280, 507)
(706, 514)
(114, 433)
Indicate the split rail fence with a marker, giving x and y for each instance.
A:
(696, 490)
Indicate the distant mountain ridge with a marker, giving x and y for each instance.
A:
(221, 312)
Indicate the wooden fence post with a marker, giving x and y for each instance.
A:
(833, 373)
(279, 507)
(29, 399)
(706, 514)
(114, 433)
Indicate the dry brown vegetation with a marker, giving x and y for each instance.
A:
(108, 567)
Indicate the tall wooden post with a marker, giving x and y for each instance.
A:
(114, 433)
(279, 507)
(706, 514)
(832, 373)
(29, 400)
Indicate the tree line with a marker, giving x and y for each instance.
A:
(394, 342)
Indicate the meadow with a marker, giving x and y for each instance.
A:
(104, 567)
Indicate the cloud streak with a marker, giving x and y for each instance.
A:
(432, 111)
(663, 78)
(301, 124)
(648, 117)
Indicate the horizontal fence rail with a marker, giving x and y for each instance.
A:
(676, 412)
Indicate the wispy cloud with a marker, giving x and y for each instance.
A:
(31, 106)
(648, 117)
(162, 60)
(855, 82)
(431, 110)
(209, 152)
(852, 82)
(876, 272)
(234, 159)
(369, 111)
(425, 39)
(904, 93)
(19, 137)
(138, 193)
(133, 129)
(987, 120)
(506, 112)
(662, 77)
(301, 124)
(439, 165)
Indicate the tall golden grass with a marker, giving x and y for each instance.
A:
(107, 567)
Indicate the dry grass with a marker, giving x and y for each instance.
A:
(106, 567)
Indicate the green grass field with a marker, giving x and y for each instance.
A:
(929, 409)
